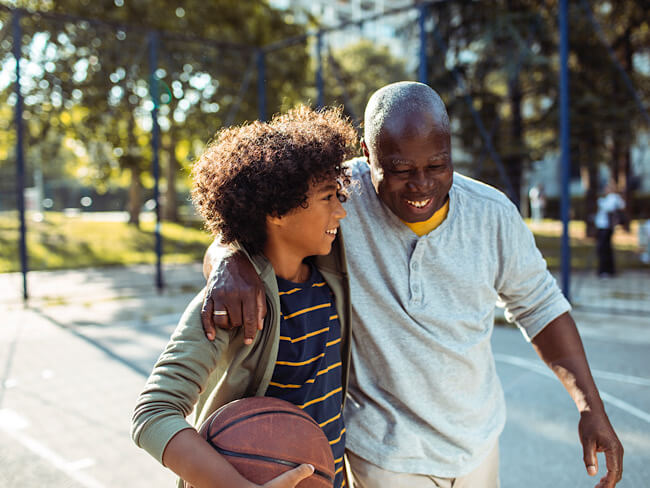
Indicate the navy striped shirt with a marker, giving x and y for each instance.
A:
(308, 368)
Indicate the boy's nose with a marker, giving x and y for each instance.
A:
(339, 211)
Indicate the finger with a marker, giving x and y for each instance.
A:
(250, 325)
(234, 313)
(589, 456)
(221, 320)
(260, 298)
(614, 462)
(293, 477)
(206, 317)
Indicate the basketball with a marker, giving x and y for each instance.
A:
(263, 437)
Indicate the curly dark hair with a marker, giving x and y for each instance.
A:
(267, 168)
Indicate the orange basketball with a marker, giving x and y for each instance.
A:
(263, 437)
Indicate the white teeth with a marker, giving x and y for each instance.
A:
(332, 232)
(419, 204)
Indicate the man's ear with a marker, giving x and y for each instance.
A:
(365, 150)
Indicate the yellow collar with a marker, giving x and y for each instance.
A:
(422, 228)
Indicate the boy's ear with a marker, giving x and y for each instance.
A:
(273, 219)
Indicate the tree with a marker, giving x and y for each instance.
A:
(355, 71)
(104, 68)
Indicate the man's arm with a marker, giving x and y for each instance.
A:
(560, 347)
(233, 287)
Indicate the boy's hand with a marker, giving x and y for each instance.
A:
(235, 290)
(291, 478)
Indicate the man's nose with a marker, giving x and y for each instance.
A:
(419, 179)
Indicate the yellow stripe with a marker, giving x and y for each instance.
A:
(289, 363)
(343, 483)
(289, 292)
(339, 437)
(318, 284)
(336, 461)
(334, 317)
(311, 380)
(316, 307)
(330, 420)
(335, 341)
(329, 368)
(338, 470)
(280, 385)
(311, 334)
(316, 400)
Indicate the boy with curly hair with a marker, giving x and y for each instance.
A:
(274, 190)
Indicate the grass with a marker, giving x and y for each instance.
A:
(63, 242)
(583, 249)
(68, 242)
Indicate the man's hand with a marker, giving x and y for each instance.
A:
(235, 290)
(560, 347)
(597, 435)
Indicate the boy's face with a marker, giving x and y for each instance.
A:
(411, 166)
(311, 231)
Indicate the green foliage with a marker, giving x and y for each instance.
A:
(354, 72)
(87, 86)
(60, 242)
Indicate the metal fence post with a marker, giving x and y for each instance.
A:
(320, 100)
(422, 69)
(565, 145)
(261, 84)
(20, 159)
(155, 145)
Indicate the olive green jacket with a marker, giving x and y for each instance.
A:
(194, 373)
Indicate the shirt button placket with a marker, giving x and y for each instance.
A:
(416, 291)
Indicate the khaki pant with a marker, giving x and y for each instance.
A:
(363, 474)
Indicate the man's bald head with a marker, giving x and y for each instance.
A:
(398, 102)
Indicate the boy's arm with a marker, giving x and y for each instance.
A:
(560, 347)
(233, 287)
(194, 460)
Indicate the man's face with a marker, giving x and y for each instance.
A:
(411, 166)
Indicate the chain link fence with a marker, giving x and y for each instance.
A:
(112, 117)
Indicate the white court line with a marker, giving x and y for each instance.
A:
(606, 397)
(12, 423)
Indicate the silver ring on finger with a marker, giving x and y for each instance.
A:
(220, 312)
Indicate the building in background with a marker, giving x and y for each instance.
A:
(387, 30)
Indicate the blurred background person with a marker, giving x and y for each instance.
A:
(608, 216)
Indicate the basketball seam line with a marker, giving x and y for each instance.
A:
(259, 457)
(257, 414)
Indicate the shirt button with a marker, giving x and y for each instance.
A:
(415, 266)
(416, 288)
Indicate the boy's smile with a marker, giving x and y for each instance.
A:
(305, 231)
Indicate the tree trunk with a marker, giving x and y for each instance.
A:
(135, 187)
(590, 180)
(135, 197)
(170, 209)
(515, 160)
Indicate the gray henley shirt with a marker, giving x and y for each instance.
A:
(424, 396)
